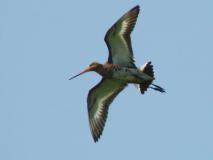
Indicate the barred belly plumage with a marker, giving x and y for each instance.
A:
(130, 75)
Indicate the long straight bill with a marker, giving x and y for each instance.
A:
(86, 70)
(75, 76)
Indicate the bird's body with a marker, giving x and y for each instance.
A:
(117, 72)
(123, 74)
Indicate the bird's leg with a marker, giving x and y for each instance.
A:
(158, 88)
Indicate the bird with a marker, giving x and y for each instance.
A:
(119, 71)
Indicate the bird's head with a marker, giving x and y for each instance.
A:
(92, 67)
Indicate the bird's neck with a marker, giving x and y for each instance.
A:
(105, 70)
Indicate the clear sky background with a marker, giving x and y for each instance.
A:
(43, 115)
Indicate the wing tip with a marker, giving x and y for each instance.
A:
(137, 7)
(96, 138)
(135, 10)
(96, 129)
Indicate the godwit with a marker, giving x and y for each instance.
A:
(117, 72)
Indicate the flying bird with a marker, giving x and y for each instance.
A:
(117, 72)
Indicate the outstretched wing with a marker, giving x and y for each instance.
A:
(118, 39)
(98, 101)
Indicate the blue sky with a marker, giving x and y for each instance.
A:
(43, 115)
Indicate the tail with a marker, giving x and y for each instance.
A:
(148, 69)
